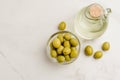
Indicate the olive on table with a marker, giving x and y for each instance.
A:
(88, 50)
(98, 54)
(106, 46)
(62, 25)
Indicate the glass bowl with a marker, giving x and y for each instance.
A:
(49, 48)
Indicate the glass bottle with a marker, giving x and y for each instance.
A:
(91, 22)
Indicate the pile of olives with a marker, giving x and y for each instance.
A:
(63, 47)
(98, 54)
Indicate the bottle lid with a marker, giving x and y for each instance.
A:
(95, 10)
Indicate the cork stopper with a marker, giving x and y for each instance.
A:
(96, 10)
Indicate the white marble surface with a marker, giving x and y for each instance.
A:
(26, 25)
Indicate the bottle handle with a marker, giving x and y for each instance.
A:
(107, 11)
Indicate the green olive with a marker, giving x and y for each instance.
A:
(73, 42)
(67, 58)
(74, 54)
(53, 53)
(88, 50)
(98, 54)
(66, 44)
(51, 46)
(73, 48)
(62, 26)
(60, 49)
(66, 51)
(67, 36)
(106, 46)
(64, 40)
(56, 43)
(60, 37)
(60, 58)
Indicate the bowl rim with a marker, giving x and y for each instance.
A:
(54, 34)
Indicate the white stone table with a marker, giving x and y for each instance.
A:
(26, 25)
